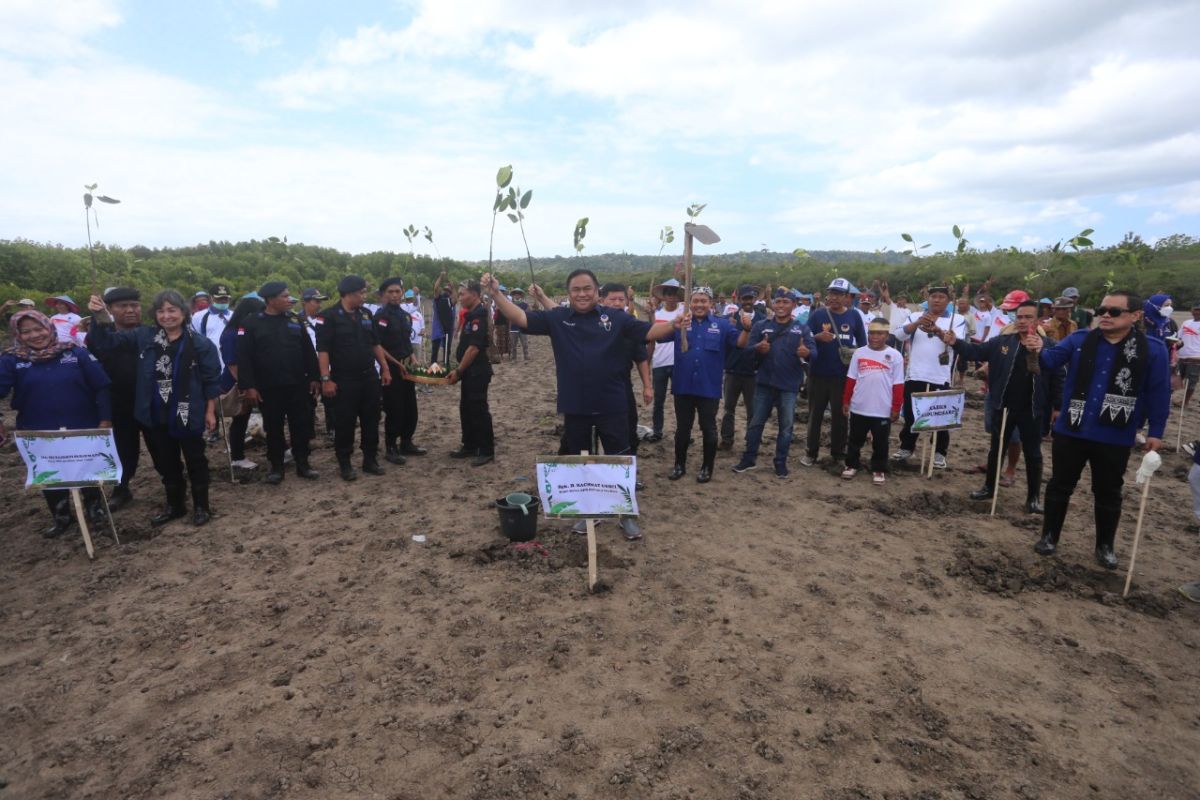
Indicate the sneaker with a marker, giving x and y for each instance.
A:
(902, 455)
(879, 478)
(1191, 591)
(745, 465)
(630, 528)
(580, 526)
(245, 463)
(939, 461)
(781, 469)
(807, 461)
(849, 472)
(1190, 448)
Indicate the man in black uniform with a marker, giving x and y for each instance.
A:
(125, 306)
(277, 370)
(393, 328)
(475, 373)
(310, 307)
(443, 312)
(348, 352)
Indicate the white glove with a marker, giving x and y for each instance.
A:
(1150, 464)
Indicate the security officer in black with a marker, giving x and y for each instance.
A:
(475, 373)
(278, 371)
(393, 328)
(348, 352)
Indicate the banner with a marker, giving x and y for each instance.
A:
(938, 411)
(588, 486)
(67, 459)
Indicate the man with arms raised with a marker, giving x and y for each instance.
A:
(1117, 379)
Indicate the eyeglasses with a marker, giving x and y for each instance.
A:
(1111, 311)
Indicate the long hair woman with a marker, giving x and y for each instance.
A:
(55, 384)
(176, 396)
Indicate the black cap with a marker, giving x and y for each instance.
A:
(351, 284)
(118, 294)
(313, 294)
(390, 282)
(219, 290)
(746, 290)
(942, 289)
(272, 289)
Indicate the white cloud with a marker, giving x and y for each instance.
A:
(253, 42)
(53, 29)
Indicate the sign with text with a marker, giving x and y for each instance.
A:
(938, 411)
(588, 486)
(68, 459)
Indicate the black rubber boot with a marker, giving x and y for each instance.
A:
(305, 471)
(345, 470)
(63, 518)
(370, 465)
(706, 468)
(275, 475)
(175, 505)
(201, 513)
(680, 468)
(1033, 483)
(120, 497)
(1055, 515)
(983, 493)
(393, 455)
(1108, 519)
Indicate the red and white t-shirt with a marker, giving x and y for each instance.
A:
(1189, 334)
(1000, 320)
(981, 319)
(875, 374)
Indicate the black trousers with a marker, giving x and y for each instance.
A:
(879, 428)
(631, 418)
(59, 501)
(475, 416)
(357, 402)
(237, 436)
(736, 386)
(908, 439)
(171, 455)
(127, 434)
(1108, 462)
(825, 391)
(1030, 429)
(440, 344)
(611, 429)
(290, 403)
(400, 410)
(687, 408)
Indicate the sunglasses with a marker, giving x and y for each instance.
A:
(1111, 311)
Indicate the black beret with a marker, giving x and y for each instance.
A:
(272, 289)
(351, 284)
(118, 294)
(390, 282)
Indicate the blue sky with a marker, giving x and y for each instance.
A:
(820, 125)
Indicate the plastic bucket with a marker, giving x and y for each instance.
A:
(515, 524)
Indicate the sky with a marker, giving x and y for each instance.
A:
(801, 124)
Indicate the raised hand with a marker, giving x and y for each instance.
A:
(763, 346)
(747, 321)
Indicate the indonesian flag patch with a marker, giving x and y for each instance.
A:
(241, 331)
(318, 320)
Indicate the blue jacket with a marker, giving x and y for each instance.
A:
(1001, 353)
(848, 331)
(70, 391)
(1153, 396)
(701, 370)
(206, 372)
(781, 368)
(742, 360)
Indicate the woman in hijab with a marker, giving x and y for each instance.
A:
(55, 384)
(247, 308)
(175, 399)
(1157, 315)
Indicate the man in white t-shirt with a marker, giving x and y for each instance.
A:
(662, 355)
(872, 399)
(1189, 353)
(210, 323)
(65, 319)
(929, 364)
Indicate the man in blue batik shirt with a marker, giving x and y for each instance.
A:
(1117, 379)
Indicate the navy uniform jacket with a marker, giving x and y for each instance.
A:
(68, 391)
(700, 371)
(393, 328)
(591, 357)
(781, 368)
(742, 361)
(274, 350)
(349, 339)
(475, 332)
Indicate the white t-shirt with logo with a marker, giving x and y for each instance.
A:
(875, 373)
(1189, 334)
(664, 352)
(66, 328)
(982, 320)
(1000, 320)
(418, 321)
(925, 350)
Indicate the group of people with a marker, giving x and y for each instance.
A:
(858, 357)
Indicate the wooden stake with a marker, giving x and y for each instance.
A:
(687, 286)
(1137, 535)
(77, 499)
(932, 452)
(1003, 449)
(591, 545)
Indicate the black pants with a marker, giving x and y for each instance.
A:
(475, 416)
(171, 455)
(825, 391)
(442, 343)
(908, 439)
(631, 418)
(735, 386)
(400, 410)
(237, 435)
(127, 435)
(1108, 462)
(661, 377)
(687, 408)
(879, 428)
(611, 429)
(357, 402)
(289, 403)
(59, 501)
(1030, 429)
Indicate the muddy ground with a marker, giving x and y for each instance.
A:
(808, 638)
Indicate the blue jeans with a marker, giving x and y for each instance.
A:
(784, 403)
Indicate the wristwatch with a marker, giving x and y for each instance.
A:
(325, 379)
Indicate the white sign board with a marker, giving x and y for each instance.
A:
(66, 459)
(588, 486)
(938, 411)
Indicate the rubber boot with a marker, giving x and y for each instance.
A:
(120, 497)
(346, 470)
(680, 468)
(1033, 484)
(175, 505)
(1052, 522)
(61, 510)
(709, 448)
(201, 513)
(275, 475)
(370, 464)
(305, 471)
(1108, 519)
(393, 455)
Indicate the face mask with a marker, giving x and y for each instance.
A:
(221, 306)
